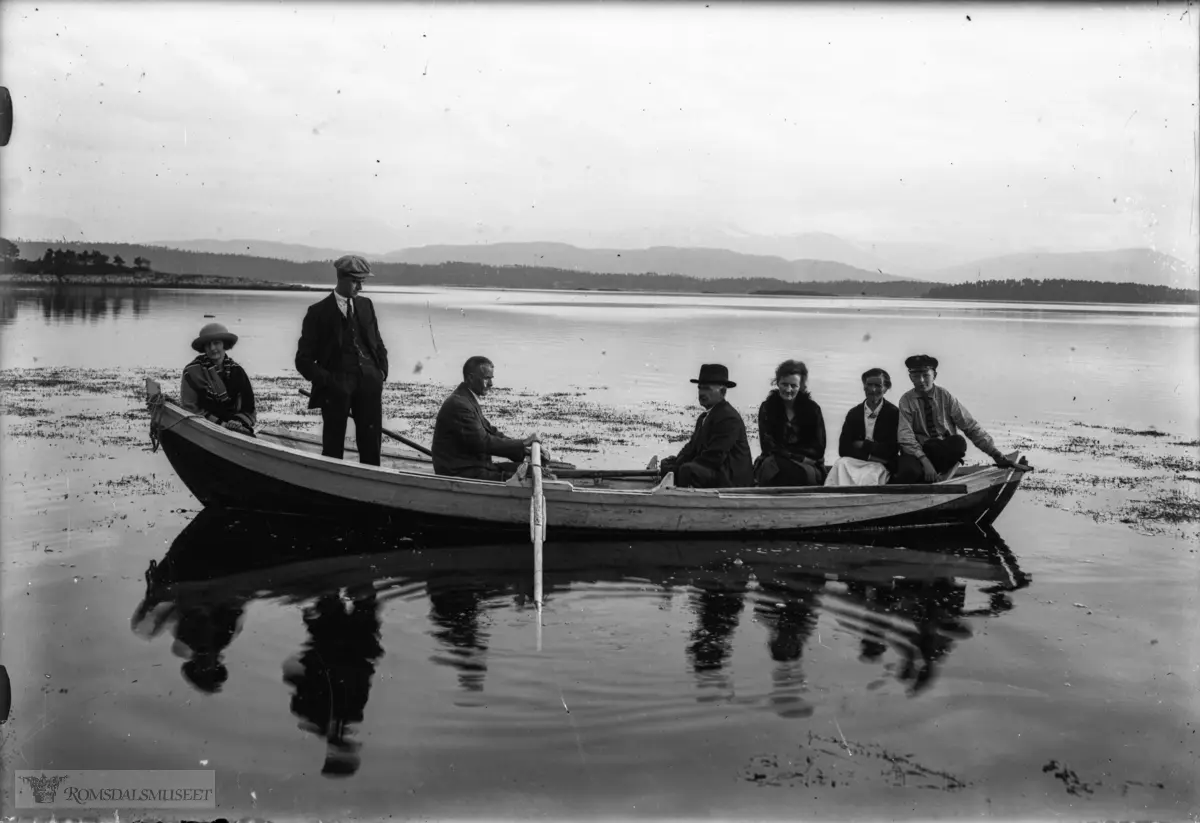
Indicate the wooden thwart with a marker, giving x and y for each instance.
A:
(566, 474)
(913, 488)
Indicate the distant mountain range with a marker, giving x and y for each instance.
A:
(693, 262)
(99, 264)
(903, 259)
(300, 263)
(1123, 265)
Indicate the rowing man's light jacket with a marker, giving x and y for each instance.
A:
(950, 416)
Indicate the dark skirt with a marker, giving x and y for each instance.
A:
(776, 470)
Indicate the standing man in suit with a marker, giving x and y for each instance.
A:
(464, 441)
(868, 445)
(341, 352)
(718, 455)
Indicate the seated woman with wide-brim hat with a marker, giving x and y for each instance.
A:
(216, 387)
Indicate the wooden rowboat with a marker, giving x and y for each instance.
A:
(283, 471)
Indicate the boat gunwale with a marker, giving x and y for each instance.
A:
(991, 477)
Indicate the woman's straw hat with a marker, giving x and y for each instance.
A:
(214, 331)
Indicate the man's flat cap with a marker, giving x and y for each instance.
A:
(351, 265)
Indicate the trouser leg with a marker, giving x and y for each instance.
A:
(334, 412)
(696, 476)
(941, 453)
(946, 453)
(496, 471)
(367, 408)
(908, 470)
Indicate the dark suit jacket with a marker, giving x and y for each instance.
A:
(719, 442)
(463, 438)
(884, 443)
(319, 353)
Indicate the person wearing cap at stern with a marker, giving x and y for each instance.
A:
(216, 387)
(930, 418)
(718, 455)
(342, 353)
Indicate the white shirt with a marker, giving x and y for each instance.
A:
(869, 418)
(341, 301)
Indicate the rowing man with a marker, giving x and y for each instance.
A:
(464, 441)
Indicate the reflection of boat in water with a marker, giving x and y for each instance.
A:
(283, 471)
(294, 558)
(908, 594)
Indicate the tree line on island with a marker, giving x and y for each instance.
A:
(82, 264)
(60, 262)
(1063, 291)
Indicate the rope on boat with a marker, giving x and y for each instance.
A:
(156, 403)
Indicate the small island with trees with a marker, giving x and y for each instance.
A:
(90, 267)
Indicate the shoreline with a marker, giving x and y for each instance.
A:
(162, 280)
(152, 280)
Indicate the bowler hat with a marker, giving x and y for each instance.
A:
(920, 362)
(351, 265)
(714, 373)
(214, 331)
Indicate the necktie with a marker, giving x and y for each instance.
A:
(349, 308)
(930, 420)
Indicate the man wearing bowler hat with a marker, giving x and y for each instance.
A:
(930, 418)
(341, 352)
(718, 455)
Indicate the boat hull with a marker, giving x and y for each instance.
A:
(226, 470)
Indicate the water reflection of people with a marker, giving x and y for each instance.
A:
(931, 610)
(719, 600)
(202, 632)
(332, 675)
(788, 608)
(202, 635)
(455, 606)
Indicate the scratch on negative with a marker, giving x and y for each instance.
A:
(429, 317)
(844, 743)
(575, 729)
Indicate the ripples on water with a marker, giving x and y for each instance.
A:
(615, 612)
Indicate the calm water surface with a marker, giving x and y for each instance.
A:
(1046, 670)
(1131, 365)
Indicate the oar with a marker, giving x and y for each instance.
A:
(410, 443)
(537, 522)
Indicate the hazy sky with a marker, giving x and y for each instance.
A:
(379, 126)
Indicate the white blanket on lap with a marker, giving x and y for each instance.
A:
(850, 471)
